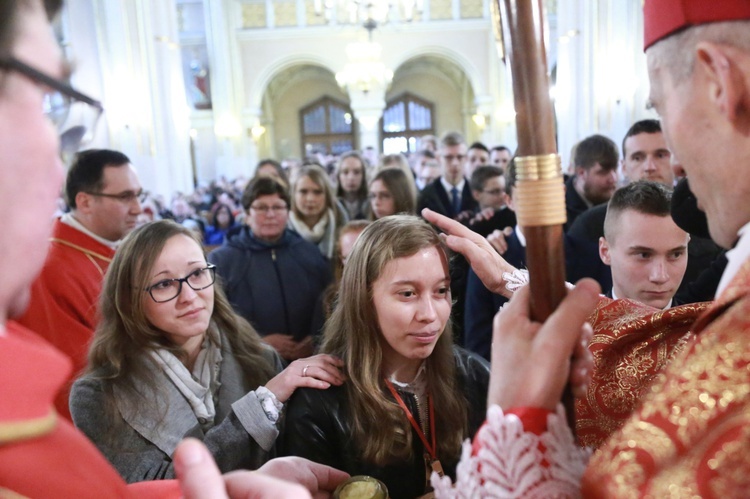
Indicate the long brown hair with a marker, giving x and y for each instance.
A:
(397, 183)
(352, 333)
(118, 354)
(362, 191)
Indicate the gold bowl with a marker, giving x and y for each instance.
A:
(361, 487)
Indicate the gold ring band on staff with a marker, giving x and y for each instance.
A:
(541, 167)
(539, 194)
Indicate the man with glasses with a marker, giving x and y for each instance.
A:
(488, 188)
(104, 194)
(450, 194)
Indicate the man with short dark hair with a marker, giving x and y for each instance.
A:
(489, 189)
(646, 250)
(104, 194)
(481, 304)
(426, 168)
(488, 186)
(477, 155)
(500, 156)
(595, 178)
(450, 195)
(645, 155)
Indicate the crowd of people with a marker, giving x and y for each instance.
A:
(345, 317)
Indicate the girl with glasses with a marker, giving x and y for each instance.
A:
(170, 359)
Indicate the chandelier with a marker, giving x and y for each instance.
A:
(365, 70)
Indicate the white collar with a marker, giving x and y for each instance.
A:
(418, 380)
(449, 187)
(736, 257)
(72, 221)
(669, 305)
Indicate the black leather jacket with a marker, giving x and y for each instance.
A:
(317, 429)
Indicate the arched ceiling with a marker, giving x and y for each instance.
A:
(435, 66)
(292, 76)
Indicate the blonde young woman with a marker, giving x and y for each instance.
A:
(315, 215)
(411, 397)
(170, 359)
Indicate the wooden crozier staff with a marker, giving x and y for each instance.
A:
(539, 194)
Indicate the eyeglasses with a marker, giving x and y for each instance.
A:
(74, 114)
(126, 197)
(493, 192)
(265, 209)
(454, 157)
(169, 289)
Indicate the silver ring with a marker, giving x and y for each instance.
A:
(304, 371)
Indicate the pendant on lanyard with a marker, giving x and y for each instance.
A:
(430, 456)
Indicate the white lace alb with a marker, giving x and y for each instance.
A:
(509, 462)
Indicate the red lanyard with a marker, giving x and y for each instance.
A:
(431, 449)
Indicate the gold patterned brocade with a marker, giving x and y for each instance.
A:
(700, 405)
(632, 343)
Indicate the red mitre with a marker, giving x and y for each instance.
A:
(662, 18)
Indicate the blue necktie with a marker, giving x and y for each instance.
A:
(456, 201)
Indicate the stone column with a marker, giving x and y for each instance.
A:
(368, 108)
(143, 89)
(235, 148)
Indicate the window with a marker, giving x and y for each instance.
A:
(327, 127)
(405, 120)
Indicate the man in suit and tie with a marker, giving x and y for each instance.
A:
(450, 195)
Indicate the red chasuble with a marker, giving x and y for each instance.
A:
(632, 343)
(42, 455)
(691, 435)
(65, 298)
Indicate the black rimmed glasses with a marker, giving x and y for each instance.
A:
(169, 289)
(126, 197)
(74, 114)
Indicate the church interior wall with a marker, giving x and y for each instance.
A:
(126, 51)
